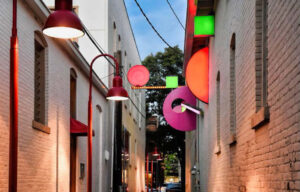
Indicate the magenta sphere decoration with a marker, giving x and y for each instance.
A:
(138, 75)
(182, 120)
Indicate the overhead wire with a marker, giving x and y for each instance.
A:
(175, 14)
(107, 76)
(102, 51)
(149, 22)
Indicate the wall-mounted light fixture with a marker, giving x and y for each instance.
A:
(155, 152)
(63, 22)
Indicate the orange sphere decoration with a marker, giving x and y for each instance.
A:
(197, 74)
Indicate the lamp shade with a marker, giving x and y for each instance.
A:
(117, 92)
(155, 152)
(63, 24)
(159, 158)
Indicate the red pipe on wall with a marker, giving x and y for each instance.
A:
(13, 139)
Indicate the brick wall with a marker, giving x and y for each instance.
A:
(131, 118)
(4, 90)
(266, 158)
(43, 158)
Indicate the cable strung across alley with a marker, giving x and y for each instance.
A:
(175, 14)
(158, 34)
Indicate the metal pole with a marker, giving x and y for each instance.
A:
(151, 175)
(90, 120)
(147, 170)
(117, 175)
(156, 174)
(13, 139)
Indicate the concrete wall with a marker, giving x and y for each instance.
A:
(44, 159)
(268, 158)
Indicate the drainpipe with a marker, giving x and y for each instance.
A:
(13, 139)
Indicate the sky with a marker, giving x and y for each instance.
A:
(161, 16)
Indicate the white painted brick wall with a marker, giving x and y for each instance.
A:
(37, 150)
(266, 159)
(123, 28)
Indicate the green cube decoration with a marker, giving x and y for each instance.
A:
(204, 25)
(171, 81)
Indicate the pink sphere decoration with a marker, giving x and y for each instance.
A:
(138, 75)
(182, 121)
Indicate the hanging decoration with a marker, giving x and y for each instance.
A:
(177, 117)
(197, 74)
(192, 7)
(172, 82)
(204, 26)
(138, 75)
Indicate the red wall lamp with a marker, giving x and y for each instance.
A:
(155, 153)
(116, 93)
(63, 23)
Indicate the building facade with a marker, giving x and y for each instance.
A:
(53, 89)
(248, 138)
(121, 43)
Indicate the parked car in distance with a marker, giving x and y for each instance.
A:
(173, 187)
(163, 188)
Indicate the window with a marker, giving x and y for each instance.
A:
(232, 92)
(218, 102)
(40, 85)
(125, 155)
(101, 136)
(124, 70)
(261, 56)
(73, 95)
(73, 138)
(140, 109)
(115, 43)
(261, 65)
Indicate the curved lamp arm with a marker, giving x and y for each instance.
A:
(91, 69)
